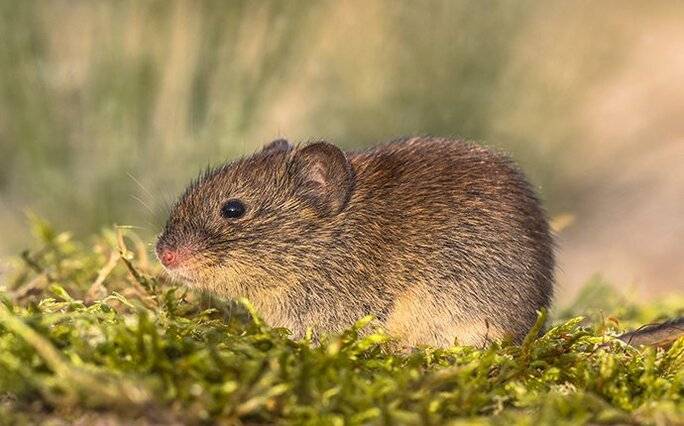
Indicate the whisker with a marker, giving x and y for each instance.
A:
(167, 203)
(143, 203)
(140, 185)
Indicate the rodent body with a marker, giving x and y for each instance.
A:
(438, 239)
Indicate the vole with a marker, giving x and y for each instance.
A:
(441, 240)
(438, 239)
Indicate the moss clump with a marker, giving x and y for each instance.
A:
(91, 332)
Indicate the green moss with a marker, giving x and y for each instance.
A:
(92, 331)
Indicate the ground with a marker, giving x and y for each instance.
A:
(90, 333)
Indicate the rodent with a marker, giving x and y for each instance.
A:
(439, 239)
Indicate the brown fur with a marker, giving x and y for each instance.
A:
(439, 239)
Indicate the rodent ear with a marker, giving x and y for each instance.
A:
(277, 145)
(323, 177)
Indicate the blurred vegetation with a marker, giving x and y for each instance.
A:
(108, 108)
(112, 108)
(89, 332)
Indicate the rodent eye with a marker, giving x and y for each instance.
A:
(233, 209)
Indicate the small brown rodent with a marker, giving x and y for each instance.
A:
(438, 239)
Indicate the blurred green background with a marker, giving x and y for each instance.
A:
(108, 108)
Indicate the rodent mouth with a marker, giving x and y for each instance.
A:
(184, 274)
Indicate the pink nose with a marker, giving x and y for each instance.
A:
(169, 258)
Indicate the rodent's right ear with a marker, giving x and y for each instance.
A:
(277, 145)
(323, 177)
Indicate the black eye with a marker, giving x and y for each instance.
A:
(233, 209)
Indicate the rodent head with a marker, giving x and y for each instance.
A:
(251, 223)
